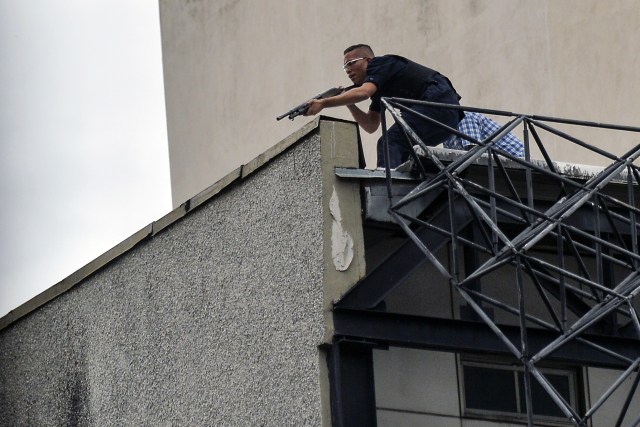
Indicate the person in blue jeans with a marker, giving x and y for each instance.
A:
(394, 76)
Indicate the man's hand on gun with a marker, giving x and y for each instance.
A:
(314, 106)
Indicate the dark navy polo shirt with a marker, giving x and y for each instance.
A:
(396, 76)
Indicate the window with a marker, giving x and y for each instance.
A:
(493, 390)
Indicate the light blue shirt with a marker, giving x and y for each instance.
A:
(480, 127)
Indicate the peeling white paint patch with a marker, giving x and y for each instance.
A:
(341, 241)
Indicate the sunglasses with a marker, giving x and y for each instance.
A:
(350, 63)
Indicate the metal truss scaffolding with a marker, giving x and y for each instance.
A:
(585, 285)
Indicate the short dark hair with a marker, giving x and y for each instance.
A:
(364, 47)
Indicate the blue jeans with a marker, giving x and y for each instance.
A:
(399, 147)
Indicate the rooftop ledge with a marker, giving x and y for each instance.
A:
(237, 175)
(570, 170)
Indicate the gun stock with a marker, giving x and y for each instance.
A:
(302, 108)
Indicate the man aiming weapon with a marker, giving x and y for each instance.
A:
(375, 77)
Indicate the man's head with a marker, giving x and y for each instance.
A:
(356, 59)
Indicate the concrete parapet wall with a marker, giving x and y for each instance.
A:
(216, 320)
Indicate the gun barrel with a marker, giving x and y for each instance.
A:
(294, 112)
(284, 115)
(302, 108)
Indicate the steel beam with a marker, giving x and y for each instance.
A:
(475, 337)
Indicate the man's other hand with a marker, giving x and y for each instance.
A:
(315, 106)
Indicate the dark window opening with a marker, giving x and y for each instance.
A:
(495, 390)
(479, 383)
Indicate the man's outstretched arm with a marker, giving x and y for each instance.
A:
(369, 121)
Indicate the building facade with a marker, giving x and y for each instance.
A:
(232, 66)
(475, 289)
(302, 289)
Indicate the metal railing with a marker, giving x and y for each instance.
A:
(575, 298)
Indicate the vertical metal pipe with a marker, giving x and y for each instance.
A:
(598, 246)
(524, 344)
(492, 199)
(454, 235)
(563, 288)
(527, 394)
(632, 215)
(522, 309)
(385, 142)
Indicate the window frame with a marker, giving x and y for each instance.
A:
(573, 373)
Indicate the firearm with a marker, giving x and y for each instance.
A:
(302, 108)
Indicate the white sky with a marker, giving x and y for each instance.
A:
(83, 146)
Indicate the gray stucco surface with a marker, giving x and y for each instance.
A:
(213, 322)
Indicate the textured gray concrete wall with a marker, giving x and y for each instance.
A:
(213, 322)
